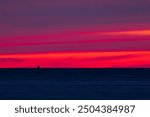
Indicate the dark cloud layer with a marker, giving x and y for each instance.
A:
(63, 13)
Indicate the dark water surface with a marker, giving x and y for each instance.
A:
(75, 84)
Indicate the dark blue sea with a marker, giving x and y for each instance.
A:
(75, 84)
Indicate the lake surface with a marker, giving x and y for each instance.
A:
(83, 84)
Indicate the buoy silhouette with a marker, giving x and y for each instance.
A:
(38, 69)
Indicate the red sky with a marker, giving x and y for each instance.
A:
(78, 60)
(79, 50)
(76, 34)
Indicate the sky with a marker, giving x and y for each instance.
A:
(75, 33)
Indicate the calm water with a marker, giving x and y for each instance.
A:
(75, 84)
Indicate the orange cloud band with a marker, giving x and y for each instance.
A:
(130, 33)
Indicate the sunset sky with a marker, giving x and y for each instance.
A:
(75, 33)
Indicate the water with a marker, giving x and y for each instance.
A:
(70, 84)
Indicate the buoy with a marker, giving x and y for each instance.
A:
(38, 69)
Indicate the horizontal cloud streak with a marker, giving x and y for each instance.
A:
(78, 60)
(78, 41)
(115, 57)
(10, 60)
(132, 33)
